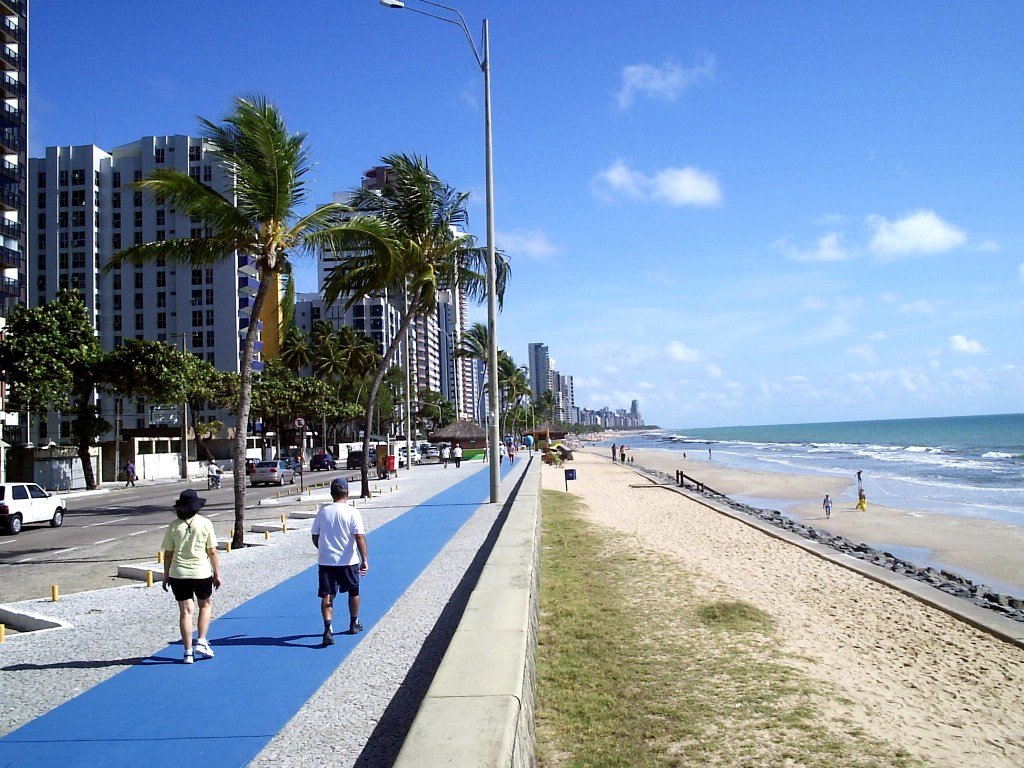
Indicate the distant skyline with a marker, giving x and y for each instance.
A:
(735, 213)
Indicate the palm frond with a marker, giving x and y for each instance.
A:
(188, 251)
(196, 199)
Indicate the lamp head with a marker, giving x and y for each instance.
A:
(392, 4)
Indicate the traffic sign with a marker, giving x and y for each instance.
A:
(300, 423)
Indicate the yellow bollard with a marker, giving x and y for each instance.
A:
(282, 519)
(149, 578)
(266, 535)
(284, 525)
(231, 533)
(54, 593)
(3, 633)
(227, 546)
(160, 556)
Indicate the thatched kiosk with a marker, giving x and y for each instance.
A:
(465, 433)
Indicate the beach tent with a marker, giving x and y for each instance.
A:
(465, 433)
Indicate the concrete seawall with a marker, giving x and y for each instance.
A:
(479, 709)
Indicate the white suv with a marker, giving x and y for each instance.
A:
(22, 503)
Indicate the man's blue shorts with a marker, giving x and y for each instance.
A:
(339, 578)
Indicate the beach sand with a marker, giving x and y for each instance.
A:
(907, 673)
(983, 550)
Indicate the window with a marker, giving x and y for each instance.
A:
(140, 301)
(194, 172)
(117, 302)
(359, 324)
(209, 276)
(376, 310)
(62, 219)
(161, 261)
(211, 358)
(358, 310)
(41, 179)
(139, 321)
(158, 155)
(62, 178)
(78, 260)
(161, 235)
(195, 153)
(97, 219)
(116, 241)
(41, 262)
(78, 177)
(78, 218)
(78, 239)
(209, 339)
(138, 218)
(376, 324)
(117, 178)
(41, 221)
(209, 317)
(62, 282)
(197, 339)
(41, 201)
(161, 279)
(117, 282)
(196, 232)
(207, 174)
(41, 241)
(138, 176)
(96, 178)
(62, 239)
(62, 198)
(197, 298)
(161, 217)
(138, 281)
(78, 197)
(315, 313)
(161, 319)
(161, 299)
(77, 281)
(117, 322)
(115, 219)
(197, 317)
(197, 277)
(209, 295)
(137, 199)
(138, 238)
(115, 199)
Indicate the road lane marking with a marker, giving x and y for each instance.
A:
(107, 522)
(105, 541)
(138, 533)
(65, 551)
(26, 559)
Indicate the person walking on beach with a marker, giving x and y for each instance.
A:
(191, 570)
(340, 540)
(457, 455)
(614, 451)
(129, 474)
(622, 454)
(827, 506)
(444, 455)
(862, 500)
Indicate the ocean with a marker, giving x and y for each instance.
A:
(971, 466)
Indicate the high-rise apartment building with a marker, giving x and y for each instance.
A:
(539, 365)
(83, 210)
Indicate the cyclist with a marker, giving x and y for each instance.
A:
(213, 476)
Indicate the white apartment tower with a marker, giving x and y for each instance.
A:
(85, 210)
(539, 364)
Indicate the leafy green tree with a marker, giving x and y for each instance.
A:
(434, 410)
(546, 405)
(407, 237)
(51, 359)
(257, 217)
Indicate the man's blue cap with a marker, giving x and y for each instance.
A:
(339, 485)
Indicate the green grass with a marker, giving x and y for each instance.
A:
(636, 668)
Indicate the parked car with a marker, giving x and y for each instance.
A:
(355, 459)
(272, 473)
(432, 452)
(22, 503)
(322, 461)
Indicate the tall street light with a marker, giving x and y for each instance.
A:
(484, 62)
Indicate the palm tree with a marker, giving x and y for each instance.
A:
(295, 350)
(513, 383)
(408, 236)
(257, 218)
(474, 345)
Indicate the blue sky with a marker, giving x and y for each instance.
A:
(736, 213)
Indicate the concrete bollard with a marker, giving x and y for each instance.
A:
(149, 578)
(54, 593)
(227, 547)
(284, 525)
(282, 519)
(159, 556)
(266, 535)
(3, 633)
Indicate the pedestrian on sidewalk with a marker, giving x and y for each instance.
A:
(457, 455)
(191, 570)
(340, 540)
(129, 474)
(445, 452)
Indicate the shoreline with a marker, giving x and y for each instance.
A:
(983, 550)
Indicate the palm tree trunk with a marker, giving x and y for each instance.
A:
(244, 406)
(371, 399)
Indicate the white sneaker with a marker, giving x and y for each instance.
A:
(189, 658)
(203, 647)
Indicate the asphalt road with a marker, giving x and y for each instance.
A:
(122, 525)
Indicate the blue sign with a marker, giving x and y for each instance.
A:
(570, 474)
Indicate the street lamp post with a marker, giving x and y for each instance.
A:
(484, 62)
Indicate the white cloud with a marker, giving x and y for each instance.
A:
(713, 371)
(675, 186)
(920, 307)
(878, 336)
(684, 354)
(962, 345)
(531, 243)
(920, 232)
(829, 247)
(865, 351)
(664, 83)
(988, 246)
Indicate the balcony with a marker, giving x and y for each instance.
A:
(11, 171)
(11, 114)
(10, 142)
(9, 286)
(10, 56)
(11, 229)
(10, 32)
(11, 259)
(9, 200)
(9, 87)
(13, 8)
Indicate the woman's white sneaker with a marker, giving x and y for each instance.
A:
(203, 647)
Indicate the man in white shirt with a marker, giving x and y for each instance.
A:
(213, 475)
(341, 542)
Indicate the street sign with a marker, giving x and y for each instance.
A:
(570, 474)
(300, 423)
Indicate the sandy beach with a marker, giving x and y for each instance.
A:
(906, 673)
(982, 550)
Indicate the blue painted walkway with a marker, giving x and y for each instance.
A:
(269, 662)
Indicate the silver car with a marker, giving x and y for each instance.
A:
(272, 473)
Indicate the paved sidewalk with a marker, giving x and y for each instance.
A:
(269, 663)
